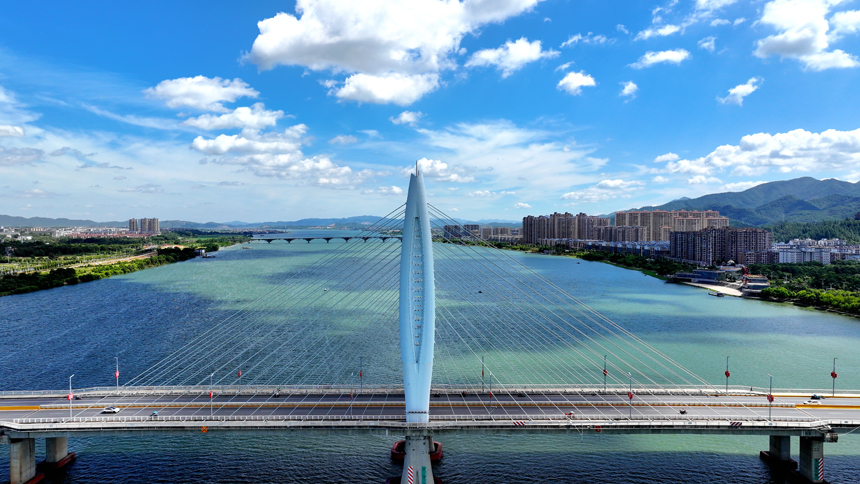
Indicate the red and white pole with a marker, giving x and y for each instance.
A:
(833, 376)
(727, 375)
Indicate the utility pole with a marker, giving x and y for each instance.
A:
(630, 394)
(482, 374)
(210, 394)
(361, 373)
(727, 376)
(770, 398)
(116, 373)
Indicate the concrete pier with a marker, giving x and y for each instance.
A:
(779, 454)
(22, 462)
(812, 458)
(57, 454)
(416, 465)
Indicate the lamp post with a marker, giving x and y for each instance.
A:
(833, 376)
(116, 373)
(630, 394)
(727, 375)
(210, 394)
(71, 396)
(361, 374)
(770, 398)
(604, 373)
(482, 375)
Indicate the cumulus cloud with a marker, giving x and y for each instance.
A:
(12, 131)
(250, 142)
(667, 56)
(719, 21)
(666, 157)
(511, 57)
(573, 82)
(407, 117)
(708, 43)
(71, 152)
(741, 186)
(384, 191)
(605, 190)
(489, 194)
(657, 31)
(254, 117)
(19, 156)
(803, 27)
(343, 140)
(392, 88)
(441, 171)
(738, 21)
(589, 38)
(522, 205)
(713, 4)
(406, 44)
(738, 93)
(629, 89)
(201, 92)
(794, 151)
(702, 180)
(622, 28)
(845, 23)
(660, 179)
(317, 171)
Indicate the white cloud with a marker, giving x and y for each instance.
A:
(666, 157)
(19, 156)
(256, 117)
(384, 191)
(342, 139)
(317, 171)
(573, 82)
(708, 43)
(588, 38)
(655, 31)
(249, 142)
(650, 58)
(630, 88)
(371, 133)
(441, 171)
(741, 186)
(605, 190)
(802, 27)
(201, 92)
(407, 117)
(13, 131)
(738, 21)
(151, 188)
(231, 184)
(564, 66)
(522, 205)
(791, 152)
(489, 194)
(146, 122)
(713, 4)
(719, 21)
(845, 23)
(511, 57)
(738, 93)
(660, 179)
(392, 88)
(411, 42)
(622, 28)
(702, 180)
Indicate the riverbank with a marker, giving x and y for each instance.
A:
(37, 281)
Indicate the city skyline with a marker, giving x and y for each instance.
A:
(281, 111)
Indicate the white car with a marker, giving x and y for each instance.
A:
(812, 402)
(111, 410)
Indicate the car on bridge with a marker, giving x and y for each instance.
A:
(111, 410)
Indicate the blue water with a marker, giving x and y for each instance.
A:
(141, 317)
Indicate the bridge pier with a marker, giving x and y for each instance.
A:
(22, 462)
(812, 457)
(779, 454)
(57, 454)
(418, 446)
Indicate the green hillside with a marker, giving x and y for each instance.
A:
(801, 200)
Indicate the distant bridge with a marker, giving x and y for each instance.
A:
(346, 238)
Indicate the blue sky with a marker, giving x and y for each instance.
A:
(261, 111)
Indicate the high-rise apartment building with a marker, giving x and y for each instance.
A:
(133, 226)
(720, 245)
(149, 225)
(561, 226)
(661, 223)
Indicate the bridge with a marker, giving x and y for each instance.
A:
(345, 238)
(515, 352)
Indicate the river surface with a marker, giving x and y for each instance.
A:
(144, 316)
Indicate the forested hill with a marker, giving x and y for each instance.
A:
(848, 230)
(799, 200)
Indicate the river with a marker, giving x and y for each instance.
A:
(141, 317)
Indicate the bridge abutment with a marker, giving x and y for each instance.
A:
(22, 462)
(812, 457)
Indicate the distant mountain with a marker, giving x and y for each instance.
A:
(11, 221)
(799, 200)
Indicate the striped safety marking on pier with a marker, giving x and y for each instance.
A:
(519, 424)
(410, 475)
(821, 469)
(736, 424)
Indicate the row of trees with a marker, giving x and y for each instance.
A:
(844, 301)
(841, 275)
(35, 281)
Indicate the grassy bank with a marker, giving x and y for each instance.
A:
(36, 281)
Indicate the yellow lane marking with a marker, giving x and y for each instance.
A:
(36, 407)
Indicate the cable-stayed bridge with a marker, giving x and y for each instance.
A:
(485, 344)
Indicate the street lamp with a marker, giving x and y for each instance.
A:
(604, 373)
(116, 373)
(727, 375)
(71, 397)
(770, 398)
(833, 375)
(210, 393)
(630, 395)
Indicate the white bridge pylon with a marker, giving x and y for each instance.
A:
(417, 303)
